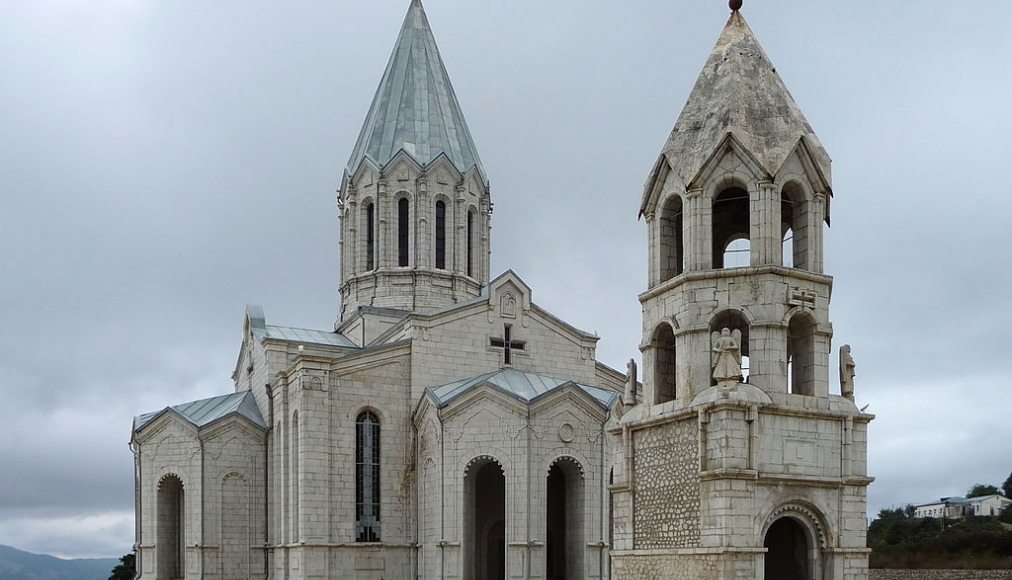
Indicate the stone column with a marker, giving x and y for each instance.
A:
(765, 223)
(459, 232)
(816, 218)
(382, 208)
(423, 252)
(485, 243)
(696, 237)
(653, 251)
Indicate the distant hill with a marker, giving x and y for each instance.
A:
(18, 565)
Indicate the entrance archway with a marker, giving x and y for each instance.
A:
(485, 521)
(171, 530)
(788, 551)
(563, 521)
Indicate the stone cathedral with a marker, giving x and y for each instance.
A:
(449, 427)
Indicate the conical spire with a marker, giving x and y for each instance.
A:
(739, 92)
(415, 108)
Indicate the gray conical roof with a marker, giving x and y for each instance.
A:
(415, 108)
(739, 92)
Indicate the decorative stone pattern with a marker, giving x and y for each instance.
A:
(667, 486)
(669, 568)
(939, 574)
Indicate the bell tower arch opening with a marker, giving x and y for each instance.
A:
(672, 246)
(731, 229)
(801, 354)
(563, 521)
(485, 521)
(794, 227)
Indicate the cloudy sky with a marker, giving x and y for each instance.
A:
(162, 164)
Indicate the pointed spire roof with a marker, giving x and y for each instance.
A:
(740, 93)
(415, 108)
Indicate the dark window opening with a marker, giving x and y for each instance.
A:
(441, 235)
(402, 232)
(664, 365)
(370, 237)
(470, 243)
(672, 246)
(367, 478)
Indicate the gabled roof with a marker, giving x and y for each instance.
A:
(206, 411)
(740, 93)
(415, 108)
(524, 386)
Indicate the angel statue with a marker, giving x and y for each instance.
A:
(847, 372)
(727, 357)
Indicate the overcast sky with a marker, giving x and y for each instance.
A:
(164, 163)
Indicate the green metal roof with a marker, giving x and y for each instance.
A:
(415, 108)
(525, 386)
(206, 411)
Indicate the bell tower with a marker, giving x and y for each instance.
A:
(414, 203)
(738, 458)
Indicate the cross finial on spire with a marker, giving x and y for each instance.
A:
(735, 5)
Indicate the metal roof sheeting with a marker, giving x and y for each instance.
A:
(415, 108)
(307, 336)
(206, 411)
(524, 386)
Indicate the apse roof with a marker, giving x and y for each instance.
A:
(206, 411)
(740, 93)
(415, 108)
(524, 386)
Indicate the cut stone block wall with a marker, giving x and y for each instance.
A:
(939, 574)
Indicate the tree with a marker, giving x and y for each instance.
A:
(1007, 486)
(1006, 514)
(981, 489)
(126, 569)
(909, 510)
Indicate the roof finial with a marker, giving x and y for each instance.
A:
(735, 5)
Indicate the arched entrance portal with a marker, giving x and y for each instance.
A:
(485, 521)
(787, 556)
(171, 531)
(563, 518)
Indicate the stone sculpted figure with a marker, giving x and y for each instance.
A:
(629, 398)
(727, 357)
(847, 372)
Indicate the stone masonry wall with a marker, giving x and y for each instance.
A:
(666, 509)
(939, 574)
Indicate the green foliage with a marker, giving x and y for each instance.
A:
(126, 569)
(898, 541)
(1006, 515)
(981, 490)
(1007, 487)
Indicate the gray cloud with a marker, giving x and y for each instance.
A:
(162, 164)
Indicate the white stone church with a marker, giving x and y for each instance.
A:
(448, 427)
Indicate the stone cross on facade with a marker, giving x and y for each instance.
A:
(507, 344)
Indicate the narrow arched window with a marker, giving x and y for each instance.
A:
(665, 364)
(801, 355)
(470, 242)
(441, 235)
(370, 236)
(402, 232)
(367, 478)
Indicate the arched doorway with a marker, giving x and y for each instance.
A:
(563, 519)
(788, 551)
(485, 521)
(171, 530)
